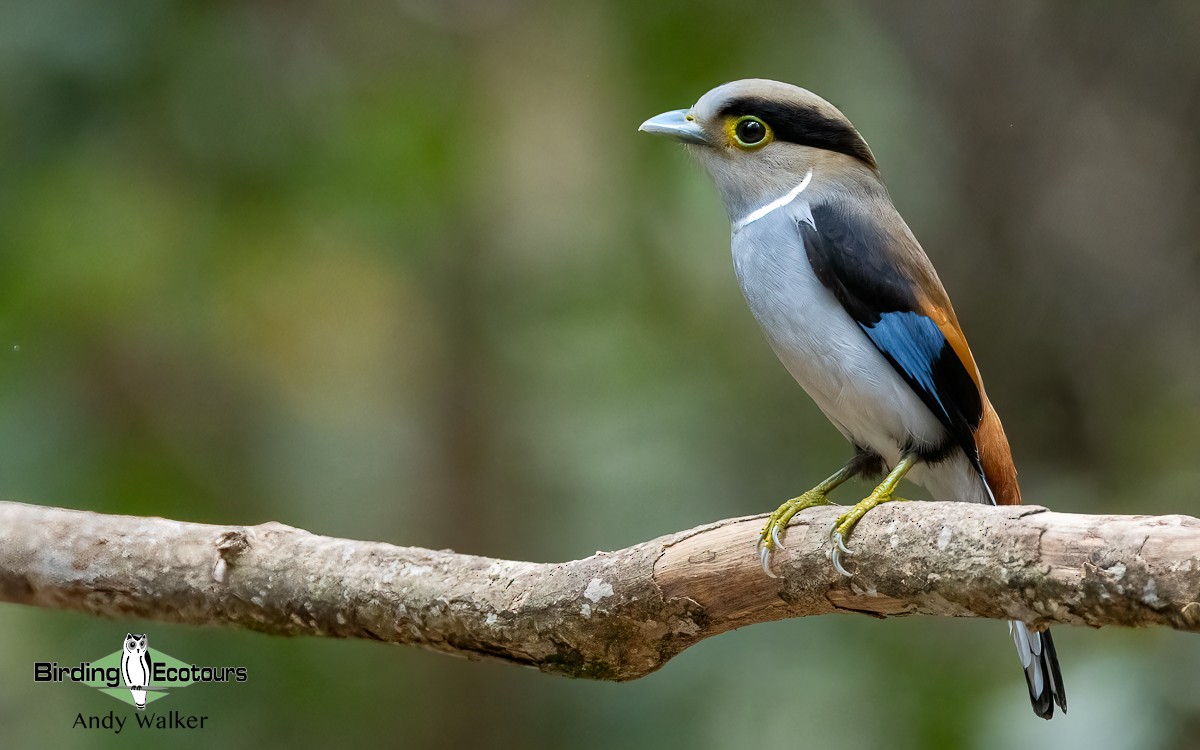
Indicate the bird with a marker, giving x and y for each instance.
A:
(853, 308)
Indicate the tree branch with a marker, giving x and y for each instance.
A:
(614, 615)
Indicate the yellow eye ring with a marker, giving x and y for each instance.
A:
(749, 132)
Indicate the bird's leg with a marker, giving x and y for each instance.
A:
(768, 539)
(846, 522)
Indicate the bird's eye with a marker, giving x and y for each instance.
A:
(751, 132)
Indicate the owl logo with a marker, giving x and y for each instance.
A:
(135, 667)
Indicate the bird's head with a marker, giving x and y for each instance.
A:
(758, 139)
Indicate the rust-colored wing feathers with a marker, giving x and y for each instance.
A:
(995, 455)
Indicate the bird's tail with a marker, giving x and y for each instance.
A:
(1040, 660)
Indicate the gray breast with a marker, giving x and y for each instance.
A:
(823, 348)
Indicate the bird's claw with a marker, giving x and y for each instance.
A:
(835, 557)
(770, 538)
(764, 557)
(837, 550)
(839, 540)
(768, 542)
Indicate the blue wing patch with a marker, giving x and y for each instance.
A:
(913, 343)
(915, 347)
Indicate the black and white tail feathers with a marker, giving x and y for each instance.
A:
(1038, 657)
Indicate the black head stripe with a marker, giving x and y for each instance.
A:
(804, 126)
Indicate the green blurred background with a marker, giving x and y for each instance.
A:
(406, 271)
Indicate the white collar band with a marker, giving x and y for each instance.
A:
(758, 213)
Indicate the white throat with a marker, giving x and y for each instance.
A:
(778, 203)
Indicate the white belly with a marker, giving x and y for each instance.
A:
(834, 361)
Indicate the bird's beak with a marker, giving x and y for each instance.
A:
(678, 124)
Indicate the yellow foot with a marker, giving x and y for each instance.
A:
(846, 522)
(768, 538)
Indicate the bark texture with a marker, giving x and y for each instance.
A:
(615, 615)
